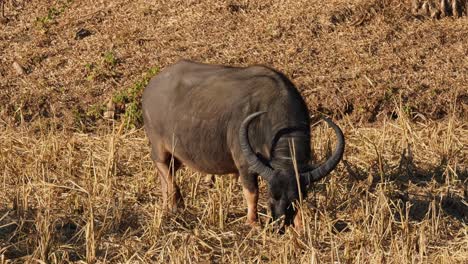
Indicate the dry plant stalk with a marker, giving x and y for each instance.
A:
(2, 7)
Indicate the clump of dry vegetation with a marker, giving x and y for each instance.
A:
(78, 187)
(439, 9)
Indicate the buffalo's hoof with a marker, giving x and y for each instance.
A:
(176, 207)
(180, 207)
(253, 224)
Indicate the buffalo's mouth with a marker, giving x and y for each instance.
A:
(282, 217)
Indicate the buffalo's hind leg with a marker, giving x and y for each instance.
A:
(167, 167)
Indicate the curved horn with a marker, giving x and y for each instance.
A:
(255, 164)
(330, 164)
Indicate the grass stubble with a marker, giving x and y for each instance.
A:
(395, 84)
(398, 197)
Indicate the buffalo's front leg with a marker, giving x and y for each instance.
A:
(172, 199)
(251, 196)
(250, 190)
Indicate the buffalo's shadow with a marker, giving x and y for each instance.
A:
(407, 173)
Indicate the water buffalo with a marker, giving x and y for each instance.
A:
(222, 120)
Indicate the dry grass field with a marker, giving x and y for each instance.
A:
(78, 187)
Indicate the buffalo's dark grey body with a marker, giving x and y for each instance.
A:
(194, 112)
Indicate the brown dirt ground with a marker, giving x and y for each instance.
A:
(352, 59)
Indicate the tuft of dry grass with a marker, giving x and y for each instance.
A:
(80, 188)
(438, 9)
